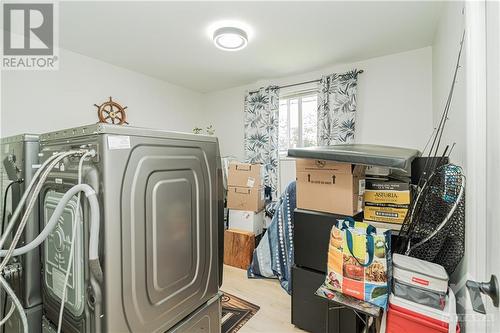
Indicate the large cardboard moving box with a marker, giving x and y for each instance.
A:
(330, 187)
(245, 175)
(245, 198)
(386, 200)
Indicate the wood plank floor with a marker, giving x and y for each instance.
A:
(274, 314)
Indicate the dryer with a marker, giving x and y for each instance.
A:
(160, 195)
(19, 161)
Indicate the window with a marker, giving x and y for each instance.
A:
(298, 121)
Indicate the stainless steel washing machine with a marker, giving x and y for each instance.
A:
(160, 195)
(19, 161)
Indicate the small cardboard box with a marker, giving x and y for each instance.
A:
(245, 175)
(245, 198)
(386, 200)
(247, 221)
(330, 187)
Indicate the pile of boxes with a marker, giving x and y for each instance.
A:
(326, 191)
(245, 197)
(344, 189)
(245, 201)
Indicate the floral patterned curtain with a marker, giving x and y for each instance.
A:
(337, 108)
(261, 133)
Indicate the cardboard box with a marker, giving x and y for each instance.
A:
(238, 248)
(386, 200)
(330, 187)
(247, 221)
(245, 198)
(245, 175)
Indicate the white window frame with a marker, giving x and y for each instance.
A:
(299, 96)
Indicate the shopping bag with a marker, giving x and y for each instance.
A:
(359, 261)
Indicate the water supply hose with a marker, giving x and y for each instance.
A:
(29, 207)
(20, 206)
(54, 219)
(16, 302)
(94, 225)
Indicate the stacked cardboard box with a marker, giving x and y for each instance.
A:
(386, 201)
(331, 187)
(245, 201)
(245, 190)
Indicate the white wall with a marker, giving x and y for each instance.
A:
(41, 101)
(444, 56)
(394, 102)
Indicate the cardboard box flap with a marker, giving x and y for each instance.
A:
(304, 165)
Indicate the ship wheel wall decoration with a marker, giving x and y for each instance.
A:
(111, 112)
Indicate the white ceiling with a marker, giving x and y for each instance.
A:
(169, 40)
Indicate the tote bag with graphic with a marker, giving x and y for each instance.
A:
(359, 261)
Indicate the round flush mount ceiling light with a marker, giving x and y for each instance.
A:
(230, 38)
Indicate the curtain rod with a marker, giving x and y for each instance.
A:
(299, 84)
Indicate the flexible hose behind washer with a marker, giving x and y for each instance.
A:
(54, 219)
(16, 302)
(22, 201)
(29, 207)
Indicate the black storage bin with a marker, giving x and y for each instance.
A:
(309, 312)
(311, 234)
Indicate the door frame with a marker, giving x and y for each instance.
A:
(476, 163)
(493, 154)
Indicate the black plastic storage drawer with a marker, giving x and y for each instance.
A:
(309, 312)
(311, 234)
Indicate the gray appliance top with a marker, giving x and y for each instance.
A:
(365, 154)
(100, 128)
(20, 138)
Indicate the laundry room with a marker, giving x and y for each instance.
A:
(249, 166)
